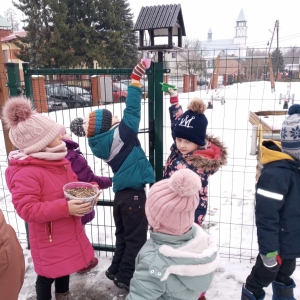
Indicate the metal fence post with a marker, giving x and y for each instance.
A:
(158, 117)
(14, 82)
(27, 80)
(151, 90)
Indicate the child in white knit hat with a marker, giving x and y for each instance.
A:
(35, 177)
(180, 258)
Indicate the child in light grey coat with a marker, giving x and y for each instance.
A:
(180, 258)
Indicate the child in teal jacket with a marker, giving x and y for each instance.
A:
(116, 142)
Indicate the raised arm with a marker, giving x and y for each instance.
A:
(132, 112)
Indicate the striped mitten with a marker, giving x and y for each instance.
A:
(138, 71)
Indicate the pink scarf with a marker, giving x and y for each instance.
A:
(55, 153)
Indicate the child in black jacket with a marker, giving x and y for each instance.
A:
(277, 214)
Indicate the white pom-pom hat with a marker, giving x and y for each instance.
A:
(171, 203)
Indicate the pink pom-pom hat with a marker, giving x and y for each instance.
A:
(29, 131)
(171, 203)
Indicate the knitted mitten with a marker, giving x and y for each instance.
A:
(138, 71)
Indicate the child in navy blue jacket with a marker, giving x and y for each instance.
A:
(277, 214)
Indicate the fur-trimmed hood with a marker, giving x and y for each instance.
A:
(175, 267)
(210, 159)
(199, 256)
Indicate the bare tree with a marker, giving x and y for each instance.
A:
(11, 17)
(194, 57)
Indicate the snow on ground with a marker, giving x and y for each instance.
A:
(230, 216)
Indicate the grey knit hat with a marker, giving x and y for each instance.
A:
(77, 128)
(97, 122)
(290, 133)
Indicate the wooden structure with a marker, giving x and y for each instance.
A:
(160, 21)
(261, 130)
(255, 118)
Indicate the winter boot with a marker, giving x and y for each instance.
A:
(121, 285)
(62, 296)
(247, 295)
(109, 275)
(283, 292)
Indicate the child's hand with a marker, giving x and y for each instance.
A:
(172, 92)
(97, 198)
(77, 208)
(99, 192)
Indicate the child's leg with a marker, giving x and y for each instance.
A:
(62, 284)
(135, 231)
(285, 272)
(43, 287)
(260, 277)
(120, 242)
(283, 286)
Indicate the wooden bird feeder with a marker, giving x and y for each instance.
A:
(160, 21)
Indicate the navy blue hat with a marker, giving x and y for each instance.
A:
(192, 124)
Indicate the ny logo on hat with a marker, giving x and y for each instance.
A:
(186, 122)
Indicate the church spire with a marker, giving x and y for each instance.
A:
(241, 25)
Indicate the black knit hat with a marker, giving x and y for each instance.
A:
(192, 124)
(106, 120)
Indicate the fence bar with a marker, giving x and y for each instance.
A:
(14, 82)
(158, 124)
(27, 80)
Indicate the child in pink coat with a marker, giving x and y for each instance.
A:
(35, 177)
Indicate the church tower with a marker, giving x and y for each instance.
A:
(240, 37)
(209, 35)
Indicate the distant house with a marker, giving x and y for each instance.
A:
(5, 28)
(10, 49)
(7, 39)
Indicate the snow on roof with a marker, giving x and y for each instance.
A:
(13, 36)
(4, 23)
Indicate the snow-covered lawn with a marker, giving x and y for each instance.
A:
(230, 216)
